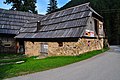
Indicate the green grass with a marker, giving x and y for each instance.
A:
(7, 58)
(4, 56)
(34, 65)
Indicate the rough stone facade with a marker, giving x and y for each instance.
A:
(32, 49)
(68, 49)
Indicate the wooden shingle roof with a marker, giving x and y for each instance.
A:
(12, 21)
(67, 23)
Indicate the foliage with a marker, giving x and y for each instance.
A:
(52, 6)
(22, 5)
(34, 65)
(110, 10)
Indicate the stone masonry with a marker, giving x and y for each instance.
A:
(68, 49)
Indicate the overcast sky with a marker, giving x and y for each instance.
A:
(41, 5)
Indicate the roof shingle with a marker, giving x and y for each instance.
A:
(62, 24)
(12, 21)
(67, 23)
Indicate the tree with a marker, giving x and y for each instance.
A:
(22, 5)
(52, 6)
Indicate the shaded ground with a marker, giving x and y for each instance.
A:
(102, 67)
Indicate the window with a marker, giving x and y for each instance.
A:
(44, 48)
(7, 44)
(90, 22)
(101, 32)
(96, 26)
(60, 44)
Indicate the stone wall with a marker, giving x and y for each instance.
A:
(32, 49)
(68, 49)
(75, 48)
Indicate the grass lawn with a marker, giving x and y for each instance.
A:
(7, 58)
(32, 65)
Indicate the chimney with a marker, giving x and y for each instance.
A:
(38, 26)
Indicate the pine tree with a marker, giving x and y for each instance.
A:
(22, 5)
(52, 6)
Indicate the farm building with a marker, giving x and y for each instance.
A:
(72, 31)
(10, 24)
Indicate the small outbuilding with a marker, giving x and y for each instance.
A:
(72, 31)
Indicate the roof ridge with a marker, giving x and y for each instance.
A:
(87, 4)
(94, 11)
(21, 12)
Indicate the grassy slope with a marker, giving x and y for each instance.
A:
(32, 65)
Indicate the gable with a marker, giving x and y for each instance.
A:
(94, 28)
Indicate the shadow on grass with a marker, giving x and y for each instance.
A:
(10, 70)
(7, 64)
(4, 71)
